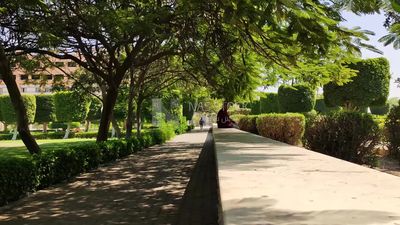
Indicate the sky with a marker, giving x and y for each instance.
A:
(373, 23)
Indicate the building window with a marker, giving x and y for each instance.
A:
(24, 90)
(71, 64)
(49, 77)
(59, 64)
(35, 77)
(59, 77)
(23, 77)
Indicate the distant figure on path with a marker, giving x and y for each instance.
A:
(201, 122)
(223, 119)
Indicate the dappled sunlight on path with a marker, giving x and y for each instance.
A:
(145, 188)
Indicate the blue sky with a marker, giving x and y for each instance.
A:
(375, 23)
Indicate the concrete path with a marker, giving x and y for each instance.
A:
(267, 182)
(145, 188)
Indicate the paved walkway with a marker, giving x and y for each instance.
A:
(145, 188)
(267, 182)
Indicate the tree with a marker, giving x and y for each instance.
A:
(94, 113)
(44, 110)
(369, 88)
(9, 113)
(216, 38)
(70, 107)
(149, 82)
(296, 98)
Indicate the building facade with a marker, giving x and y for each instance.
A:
(42, 80)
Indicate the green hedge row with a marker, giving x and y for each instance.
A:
(20, 176)
(55, 135)
(351, 136)
(392, 127)
(288, 127)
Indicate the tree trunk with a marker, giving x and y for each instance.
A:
(19, 107)
(115, 126)
(108, 106)
(67, 131)
(45, 127)
(5, 126)
(87, 127)
(138, 118)
(129, 118)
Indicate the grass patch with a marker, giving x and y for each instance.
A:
(17, 148)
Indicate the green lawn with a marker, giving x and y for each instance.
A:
(17, 148)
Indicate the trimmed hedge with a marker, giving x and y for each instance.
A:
(288, 128)
(20, 176)
(55, 135)
(248, 123)
(296, 98)
(70, 106)
(44, 109)
(392, 126)
(350, 136)
(380, 110)
(369, 87)
(8, 112)
(267, 104)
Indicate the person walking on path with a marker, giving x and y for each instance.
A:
(201, 122)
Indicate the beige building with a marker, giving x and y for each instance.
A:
(42, 80)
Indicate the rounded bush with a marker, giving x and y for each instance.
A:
(70, 106)
(296, 98)
(8, 112)
(369, 87)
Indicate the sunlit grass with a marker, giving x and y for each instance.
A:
(17, 148)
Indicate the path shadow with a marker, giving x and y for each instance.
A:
(141, 189)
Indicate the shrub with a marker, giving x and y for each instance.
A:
(393, 130)
(380, 110)
(8, 112)
(236, 117)
(288, 128)
(70, 106)
(63, 126)
(296, 98)
(369, 87)
(89, 155)
(248, 123)
(17, 177)
(321, 107)
(267, 104)
(351, 136)
(94, 113)
(242, 111)
(109, 152)
(182, 126)
(44, 109)
(57, 165)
